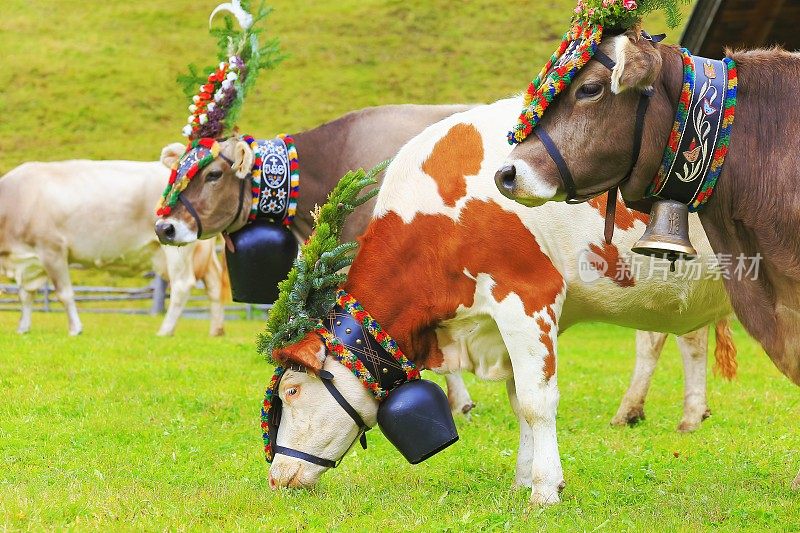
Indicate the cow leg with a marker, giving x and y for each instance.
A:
(457, 394)
(213, 282)
(181, 280)
(531, 348)
(524, 473)
(796, 482)
(26, 301)
(694, 350)
(648, 349)
(57, 268)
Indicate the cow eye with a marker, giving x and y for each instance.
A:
(291, 391)
(589, 90)
(214, 175)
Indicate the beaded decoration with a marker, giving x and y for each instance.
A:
(294, 176)
(199, 154)
(576, 49)
(678, 127)
(265, 407)
(721, 148)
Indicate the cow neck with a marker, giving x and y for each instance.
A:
(700, 135)
(275, 179)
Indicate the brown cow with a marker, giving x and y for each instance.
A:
(755, 210)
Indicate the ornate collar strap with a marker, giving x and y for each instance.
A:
(700, 135)
(276, 179)
(199, 154)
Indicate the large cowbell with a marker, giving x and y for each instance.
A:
(262, 255)
(667, 233)
(416, 416)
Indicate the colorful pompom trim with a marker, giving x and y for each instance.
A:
(576, 49)
(177, 184)
(294, 176)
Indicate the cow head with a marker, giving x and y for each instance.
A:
(219, 194)
(311, 420)
(592, 125)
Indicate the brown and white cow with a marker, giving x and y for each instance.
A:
(99, 214)
(755, 209)
(465, 279)
(361, 139)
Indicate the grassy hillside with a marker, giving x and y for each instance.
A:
(92, 79)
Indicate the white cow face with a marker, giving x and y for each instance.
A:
(313, 422)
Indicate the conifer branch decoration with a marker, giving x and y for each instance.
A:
(309, 292)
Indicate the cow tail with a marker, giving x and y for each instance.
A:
(725, 352)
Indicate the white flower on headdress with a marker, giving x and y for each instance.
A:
(226, 83)
(190, 119)
(211, 106)
(192, 108)
(203, 118)
(196, 98)
(187, 130)
(218, 96)
(222, 65)
(231, 76)
(202, 90)
(233, 60)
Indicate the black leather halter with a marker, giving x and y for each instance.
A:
(561, 164)
(638, 130)
(327, 380)
(190, 208)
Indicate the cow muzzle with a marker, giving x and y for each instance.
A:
(174, 232)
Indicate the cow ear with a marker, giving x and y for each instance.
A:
(171, 153)
(309, 352)
(638, 63)
(242, 159)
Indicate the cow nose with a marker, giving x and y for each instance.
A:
(506, 178)
(165, 231)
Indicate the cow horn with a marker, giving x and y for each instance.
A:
(234, 8)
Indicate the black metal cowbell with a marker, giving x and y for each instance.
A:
(416, 416)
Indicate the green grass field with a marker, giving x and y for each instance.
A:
(118, 429)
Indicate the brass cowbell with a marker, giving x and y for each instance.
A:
(667, 233)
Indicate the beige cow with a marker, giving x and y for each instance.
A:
(98, 214)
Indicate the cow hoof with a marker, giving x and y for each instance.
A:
(688, 426)
(75, 333)
(167, 333)
(23, 331)
(217, 332)
(631, 417)
(545, 497)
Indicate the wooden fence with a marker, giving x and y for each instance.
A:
(109, 300)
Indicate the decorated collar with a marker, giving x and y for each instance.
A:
(700, 135)
(276, 178)
(358, 342)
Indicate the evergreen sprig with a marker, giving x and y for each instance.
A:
(309, 292)
(232, 40)
(623, 14)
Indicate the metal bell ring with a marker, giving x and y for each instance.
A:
(667, 233)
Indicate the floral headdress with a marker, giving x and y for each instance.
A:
(309, 292)
(218, 101)
(577, 47)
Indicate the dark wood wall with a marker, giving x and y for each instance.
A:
(717, 24)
